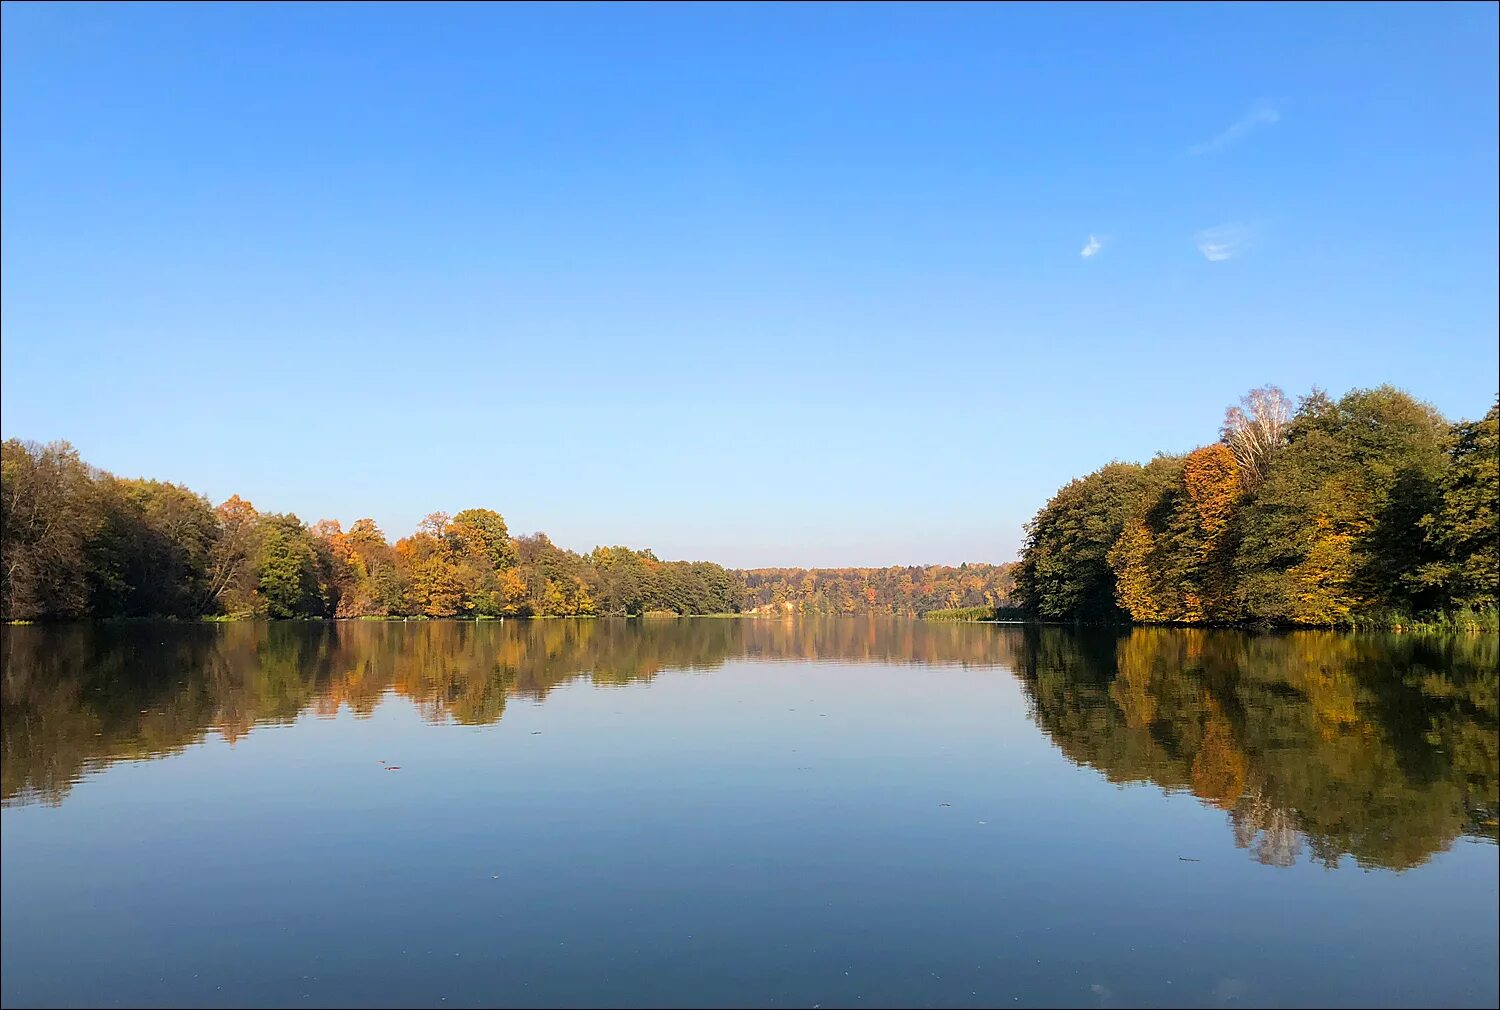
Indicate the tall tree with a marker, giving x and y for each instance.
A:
(229, 585)
(293, 576)
(1065, 572)
(1462, 531)
(1255, 429)
(153, 553)
(47, 517)
(482, 533)
(1333, 525)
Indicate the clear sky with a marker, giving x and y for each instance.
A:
(766, 285)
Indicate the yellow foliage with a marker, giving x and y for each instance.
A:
(1130, 558)
(1219, 766)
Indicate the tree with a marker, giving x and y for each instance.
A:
(47, 517)
(1137, 585)
(1332, 527)
(1462, 530)
(482, 533)
(1171, 562)
(153, 552)
(1255, 429)
(229, 584)
(435, 580)
(383, 588)
(1065, 572)
(292, 574)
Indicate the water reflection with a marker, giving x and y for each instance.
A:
(78, 696)
(1381, 747)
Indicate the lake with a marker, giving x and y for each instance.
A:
(817, 812)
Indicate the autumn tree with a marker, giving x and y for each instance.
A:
(1334, 524)
(1065, 572)
(47, 518)
(381, 586)
(435, 582)
(482, 533)
(229, 583)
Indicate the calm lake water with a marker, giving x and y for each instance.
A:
(749, 813)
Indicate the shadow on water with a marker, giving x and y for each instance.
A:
(1381, 747)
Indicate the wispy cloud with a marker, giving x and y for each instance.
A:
(1222, 243)
(1261, 116)
(1093, 246)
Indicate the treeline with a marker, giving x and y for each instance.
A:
(1367, 510)
(80, 542)
(909, 591)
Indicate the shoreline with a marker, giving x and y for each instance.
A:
(1480, 625)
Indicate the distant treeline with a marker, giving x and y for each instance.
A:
(909, 591)
(78, 542)
(1367, 510)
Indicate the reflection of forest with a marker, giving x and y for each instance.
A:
(1380, 746)
(76, 696)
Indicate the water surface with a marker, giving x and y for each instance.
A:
(750, 813)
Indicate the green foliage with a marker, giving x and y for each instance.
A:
(48, 515)
(150, 555)
(1367, 509)
(292, 573)
(1065, 572)
(1334, 530)
(1461, 532)
(82, 543)
(961, 614)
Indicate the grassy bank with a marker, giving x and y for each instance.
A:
(961, 614)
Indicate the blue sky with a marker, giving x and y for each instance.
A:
(767, 285)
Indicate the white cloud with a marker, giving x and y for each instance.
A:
(1092, 246)
(1260, 116)
(1222, 243)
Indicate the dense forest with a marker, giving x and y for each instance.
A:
(1371, 509)
(80, 542)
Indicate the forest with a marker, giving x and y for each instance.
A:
(909, 591)
(79, 542)
(1368, 510)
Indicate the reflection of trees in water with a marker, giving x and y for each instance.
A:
(1268, 831)
(1378, 746)
(80, 695)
